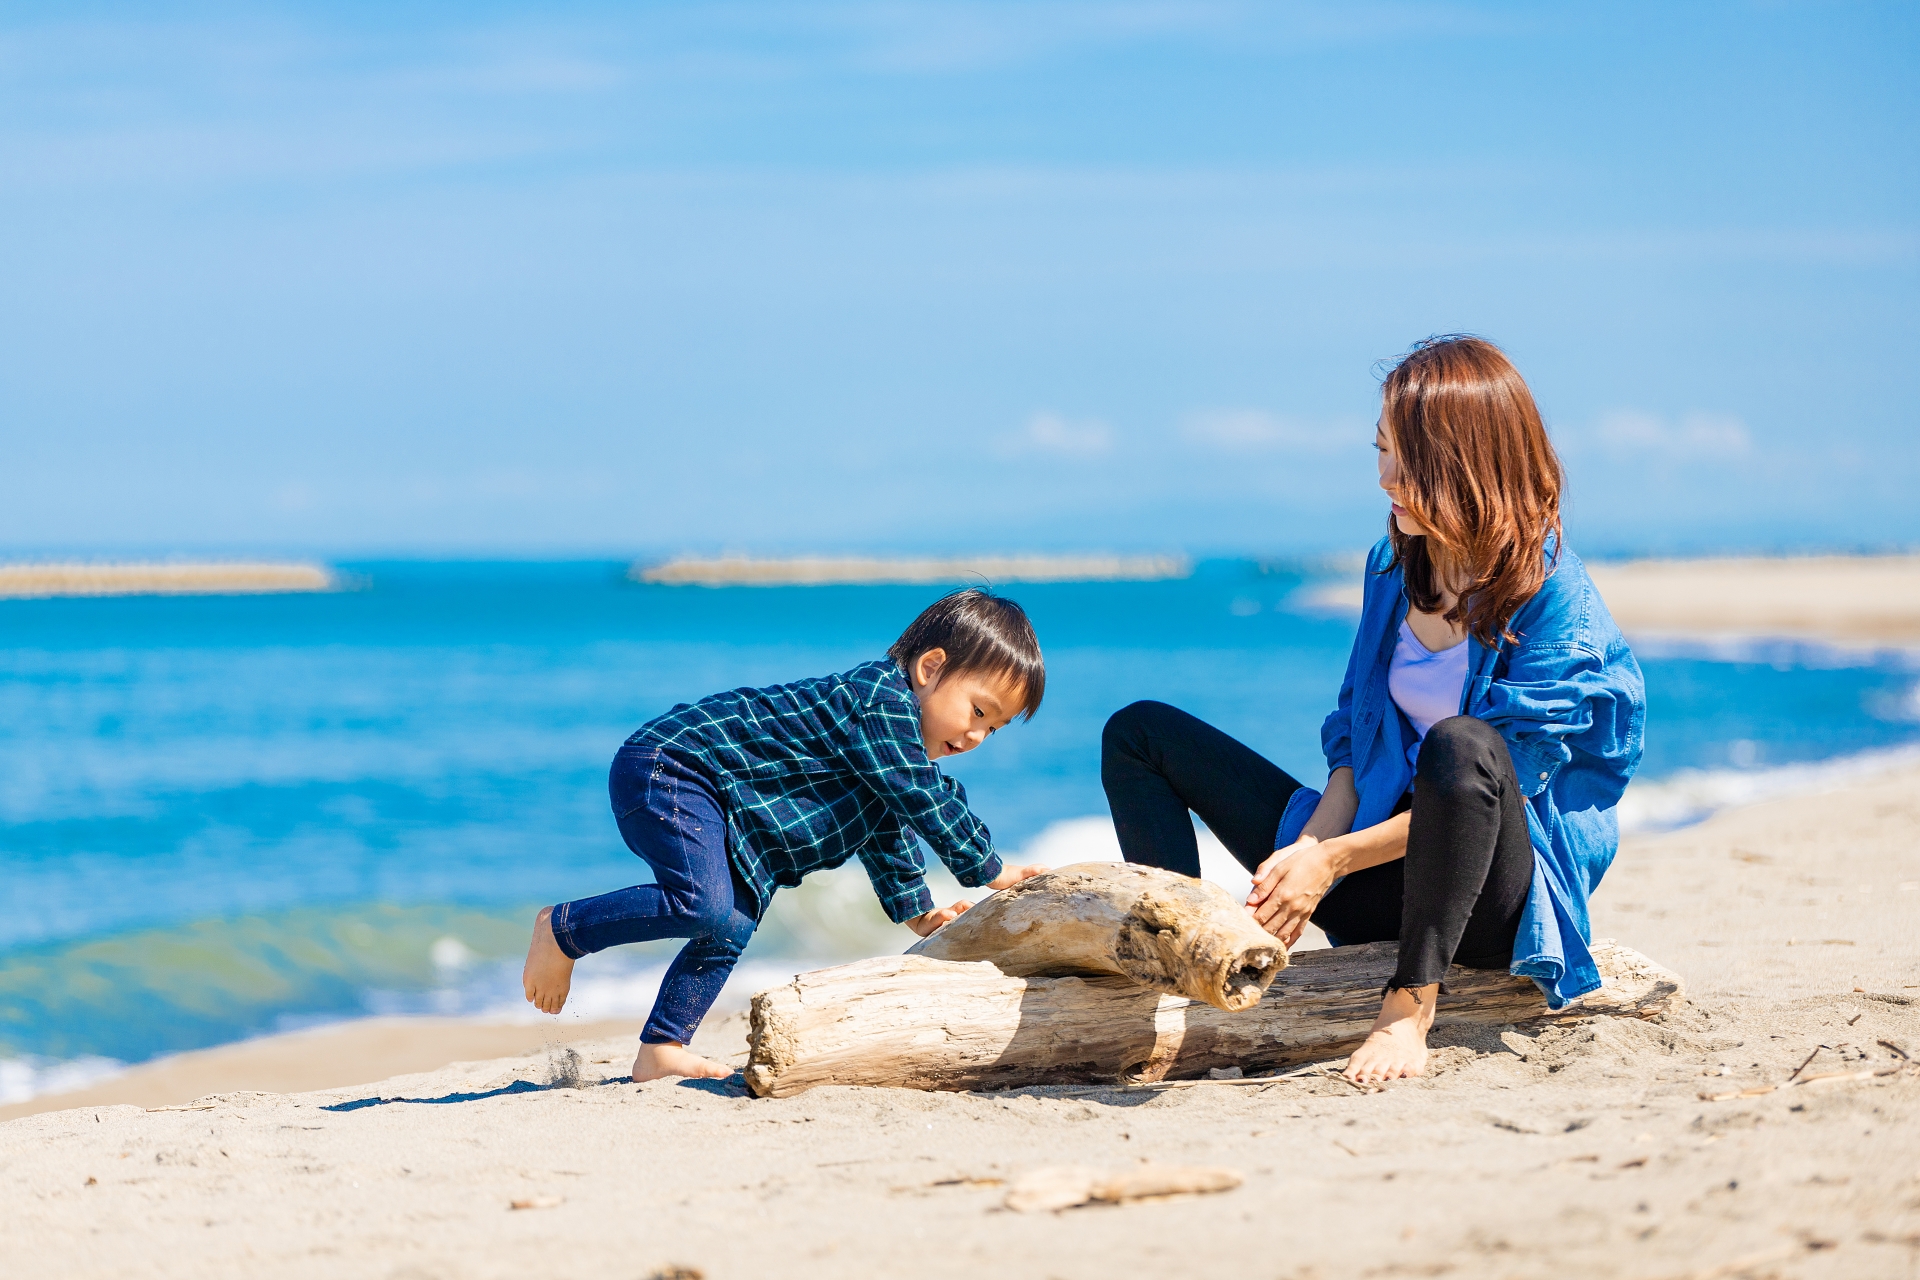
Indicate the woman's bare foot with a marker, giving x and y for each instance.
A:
(1397, 1045)
(549, 972)
(657, 1061)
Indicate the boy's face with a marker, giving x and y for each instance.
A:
(958, 712)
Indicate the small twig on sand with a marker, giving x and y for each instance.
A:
(1315, 1070)
(1803, 1066)
(1888, 1044)
(1827, 1077)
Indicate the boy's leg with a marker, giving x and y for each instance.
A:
(672, 819)
(692, 983)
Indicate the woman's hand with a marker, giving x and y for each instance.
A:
(1010, 876)
(1289, 885)
(928, 921)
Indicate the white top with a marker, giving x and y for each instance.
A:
(1425, 685)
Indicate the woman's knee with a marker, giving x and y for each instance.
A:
(1459, 749)
(1127, 727)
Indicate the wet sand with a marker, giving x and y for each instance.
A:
(368, 1049)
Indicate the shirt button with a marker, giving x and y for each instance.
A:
(1543, 777)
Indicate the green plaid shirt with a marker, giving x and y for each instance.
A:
(819, 771)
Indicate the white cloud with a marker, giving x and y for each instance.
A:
(1692, 435)
(1257, 431)
(1050, 433)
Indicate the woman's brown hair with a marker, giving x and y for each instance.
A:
(1478, 471)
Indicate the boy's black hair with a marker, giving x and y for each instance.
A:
(982, 634)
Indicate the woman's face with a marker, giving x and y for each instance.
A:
(1389, 463)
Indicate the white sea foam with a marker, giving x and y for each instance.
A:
(30, 1076)
(1092, 839)
(609, 985)
(1692, 795)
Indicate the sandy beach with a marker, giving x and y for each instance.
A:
(1768, 1127)
(1843, 600)
(1588, 1150)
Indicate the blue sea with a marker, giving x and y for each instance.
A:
(222, 817)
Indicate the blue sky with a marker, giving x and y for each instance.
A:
(470, 279)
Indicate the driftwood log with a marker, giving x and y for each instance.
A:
(1160, 929)
(919, 1023)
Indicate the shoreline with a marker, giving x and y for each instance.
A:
(387, 1045)
(318, 1057)
(1764, 1126)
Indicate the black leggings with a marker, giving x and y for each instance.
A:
(1456, 897)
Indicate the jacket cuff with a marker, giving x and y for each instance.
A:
(907, 901)
(983, 874)
(1294, 818)
(1534, 766)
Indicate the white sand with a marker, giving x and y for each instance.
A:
(1583, 1151)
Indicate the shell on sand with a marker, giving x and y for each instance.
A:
(1163, 930)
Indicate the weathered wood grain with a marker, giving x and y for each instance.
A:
(919, 1023)
(1173, 933)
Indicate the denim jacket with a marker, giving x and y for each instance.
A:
(1569, 700)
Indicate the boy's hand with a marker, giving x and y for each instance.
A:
(1010, 876)
(929, 921)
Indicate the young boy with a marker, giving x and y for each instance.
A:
(739, 793)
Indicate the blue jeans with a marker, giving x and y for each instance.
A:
(671, 817)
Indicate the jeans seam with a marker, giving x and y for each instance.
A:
(562, 930)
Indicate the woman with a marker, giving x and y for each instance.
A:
(1489, 720)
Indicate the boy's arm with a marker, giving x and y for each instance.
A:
(886, 751)
(893, 868)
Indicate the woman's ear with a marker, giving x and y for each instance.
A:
(928, 666)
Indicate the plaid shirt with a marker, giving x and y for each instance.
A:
(819, 771)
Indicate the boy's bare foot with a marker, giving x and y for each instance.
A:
(1397, 1045)
(657, 1061)
(549, 972)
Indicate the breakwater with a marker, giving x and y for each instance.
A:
(165, 578)
(744, 571)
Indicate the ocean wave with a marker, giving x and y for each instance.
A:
(1692, 795)
(30, 1075)
(1092, 839)
(1782, 653)
(606, 986)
